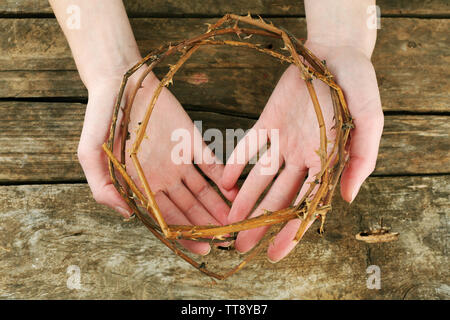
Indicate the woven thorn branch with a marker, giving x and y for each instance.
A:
(312, 206)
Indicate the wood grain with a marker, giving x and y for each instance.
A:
(39, 141)
(211, 7)
(410, 59)
(47, 228)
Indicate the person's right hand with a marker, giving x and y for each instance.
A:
(181, 192)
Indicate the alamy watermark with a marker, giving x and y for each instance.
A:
(74, 280)
(73, 22)
(374, 19)
(374, 279)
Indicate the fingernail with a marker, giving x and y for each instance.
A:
(207, 252)
(126, 213)
(271, 261)
(223, 244)
(130, 218)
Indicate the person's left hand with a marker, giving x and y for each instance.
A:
(290, 110)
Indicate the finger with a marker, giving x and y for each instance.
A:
(312, 176)
(280, 196)
(173, 215)
(95, 168)
(203, 191)
(284, 240)
(255, 184)
(192, 209)
(364, 102)
(246, 149)
(364, 144)
(93, 159)
(213, 168)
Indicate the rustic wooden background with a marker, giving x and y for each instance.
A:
(48, 220)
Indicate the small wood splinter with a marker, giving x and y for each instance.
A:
(377, 235)
(313, 205)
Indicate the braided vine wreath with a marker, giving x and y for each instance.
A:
(312, 205)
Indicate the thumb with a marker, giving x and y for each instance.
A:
(95, 167)
(364, 144)
(358, 79)
(92, 158)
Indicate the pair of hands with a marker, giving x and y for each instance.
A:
(182, 193)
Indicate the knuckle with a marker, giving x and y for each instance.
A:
(171, 216)
(101, 194)
(367, 164)
(203, 190)
(378, 118)
(373, 121)
(211, 168)
(193, 208)
(174, 187)
(276, 197)
(98, 196)
(82, 154)
(371, 166)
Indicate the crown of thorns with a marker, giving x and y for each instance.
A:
(313, 205)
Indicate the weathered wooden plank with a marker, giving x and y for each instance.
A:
(47, 228)
(405, 58)
(211, 7)
(38, 141)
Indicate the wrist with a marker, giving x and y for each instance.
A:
(363, 44)
(340, 24)
(110, 82)
(105, 69)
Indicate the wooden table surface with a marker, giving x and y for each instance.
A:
(49, 221)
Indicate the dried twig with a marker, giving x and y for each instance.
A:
(378, 234)
(311, 206)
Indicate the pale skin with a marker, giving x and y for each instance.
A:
(104, 48)
(337, 33)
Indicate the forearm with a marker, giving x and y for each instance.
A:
(102, 44)
(340, 23)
